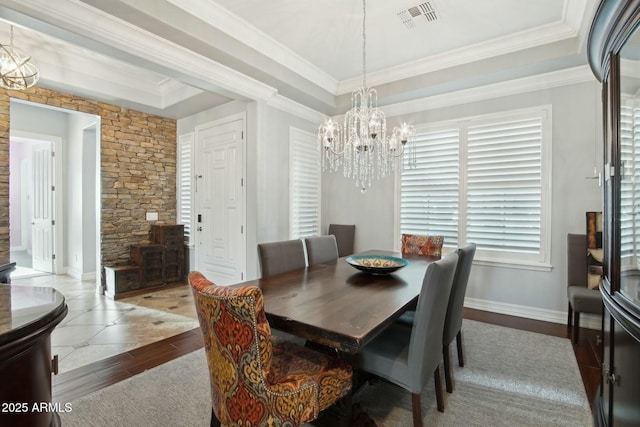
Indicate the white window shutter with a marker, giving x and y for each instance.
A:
(504, 185)
(429, 192)
(184, 181)
(304, 184)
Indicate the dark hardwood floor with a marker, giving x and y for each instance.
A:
(71, 385)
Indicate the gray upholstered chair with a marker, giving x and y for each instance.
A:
(321, 249)
(408, 356)
(281, 257)
(580, 298)
(453, 319)
(345, 236)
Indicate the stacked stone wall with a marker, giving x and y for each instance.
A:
(137, 174)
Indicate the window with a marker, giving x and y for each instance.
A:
(629, 187)
(184, 175)
(483, 180)
(304, 184)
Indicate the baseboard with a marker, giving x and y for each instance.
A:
(589, 321)
(79, 275)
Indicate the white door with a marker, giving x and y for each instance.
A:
(42, 207)
(219, 200)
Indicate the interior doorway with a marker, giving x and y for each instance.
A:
(54, 191)
(33, 203)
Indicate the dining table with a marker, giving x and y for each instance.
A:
(337, 306)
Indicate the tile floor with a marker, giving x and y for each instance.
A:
(96, 327)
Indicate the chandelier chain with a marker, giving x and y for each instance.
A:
(364, 43)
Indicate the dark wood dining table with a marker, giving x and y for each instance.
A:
(337, 306)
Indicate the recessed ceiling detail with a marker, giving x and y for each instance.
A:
(420, 14)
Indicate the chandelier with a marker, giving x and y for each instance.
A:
(17, 71)
(361, 145)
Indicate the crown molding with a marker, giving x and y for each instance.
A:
(550, 80)
(107, 30)
(500, 46)
(287, 105)
(233, 25)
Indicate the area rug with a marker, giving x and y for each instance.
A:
(512, 378)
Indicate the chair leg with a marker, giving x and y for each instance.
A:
(417, 409)
(438, 387)
(446, 361)
(214, 420)
(576, 327)
(569, 315)
(460, 346)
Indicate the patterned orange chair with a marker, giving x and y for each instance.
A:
(429, 246)
(257, 379)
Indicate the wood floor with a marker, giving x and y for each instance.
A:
(71, 385)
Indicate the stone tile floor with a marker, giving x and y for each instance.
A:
(97, 327)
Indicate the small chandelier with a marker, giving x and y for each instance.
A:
(17, 70)
(361, 146)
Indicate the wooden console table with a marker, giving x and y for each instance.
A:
(28, 315)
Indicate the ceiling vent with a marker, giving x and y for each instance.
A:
(420, 14)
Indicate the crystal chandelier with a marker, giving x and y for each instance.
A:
(361, 146)
(17, 70)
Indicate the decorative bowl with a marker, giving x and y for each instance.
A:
(376, 264)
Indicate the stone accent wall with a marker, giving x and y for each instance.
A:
(138, 170)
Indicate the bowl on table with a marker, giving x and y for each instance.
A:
(376, 264)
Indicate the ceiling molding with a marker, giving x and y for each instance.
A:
(581, 74)
(233, 25)
(512, 43)
(285, 104)
(103, 28)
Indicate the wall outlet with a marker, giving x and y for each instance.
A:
(152, 216)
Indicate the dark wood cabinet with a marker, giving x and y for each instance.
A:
(28, 316)
(156, 263)
(125, 278)
(614, 43)
(149, 257)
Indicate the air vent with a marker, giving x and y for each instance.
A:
(416, 15)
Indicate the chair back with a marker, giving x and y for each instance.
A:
(429, 246)
(345, 236)
(453, 318)
(425, 347)
(281, 257)
(577, 260)
(237, 341)
(321, 249)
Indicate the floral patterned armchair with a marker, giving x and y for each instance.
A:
(257, 379)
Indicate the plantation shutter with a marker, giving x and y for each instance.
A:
(429, 192)
(184, 183)
(629, 194)
(304, 184)
(504, 185)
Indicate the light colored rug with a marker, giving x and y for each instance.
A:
(512, 378)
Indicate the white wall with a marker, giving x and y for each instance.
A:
(267, 170)
(78, 179)
(528, 293)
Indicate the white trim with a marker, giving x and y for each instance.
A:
(545, 81)
(287, 105)
(239, 29)
(530, 38)
(79, 275)
(99, 26)
(543, 314)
